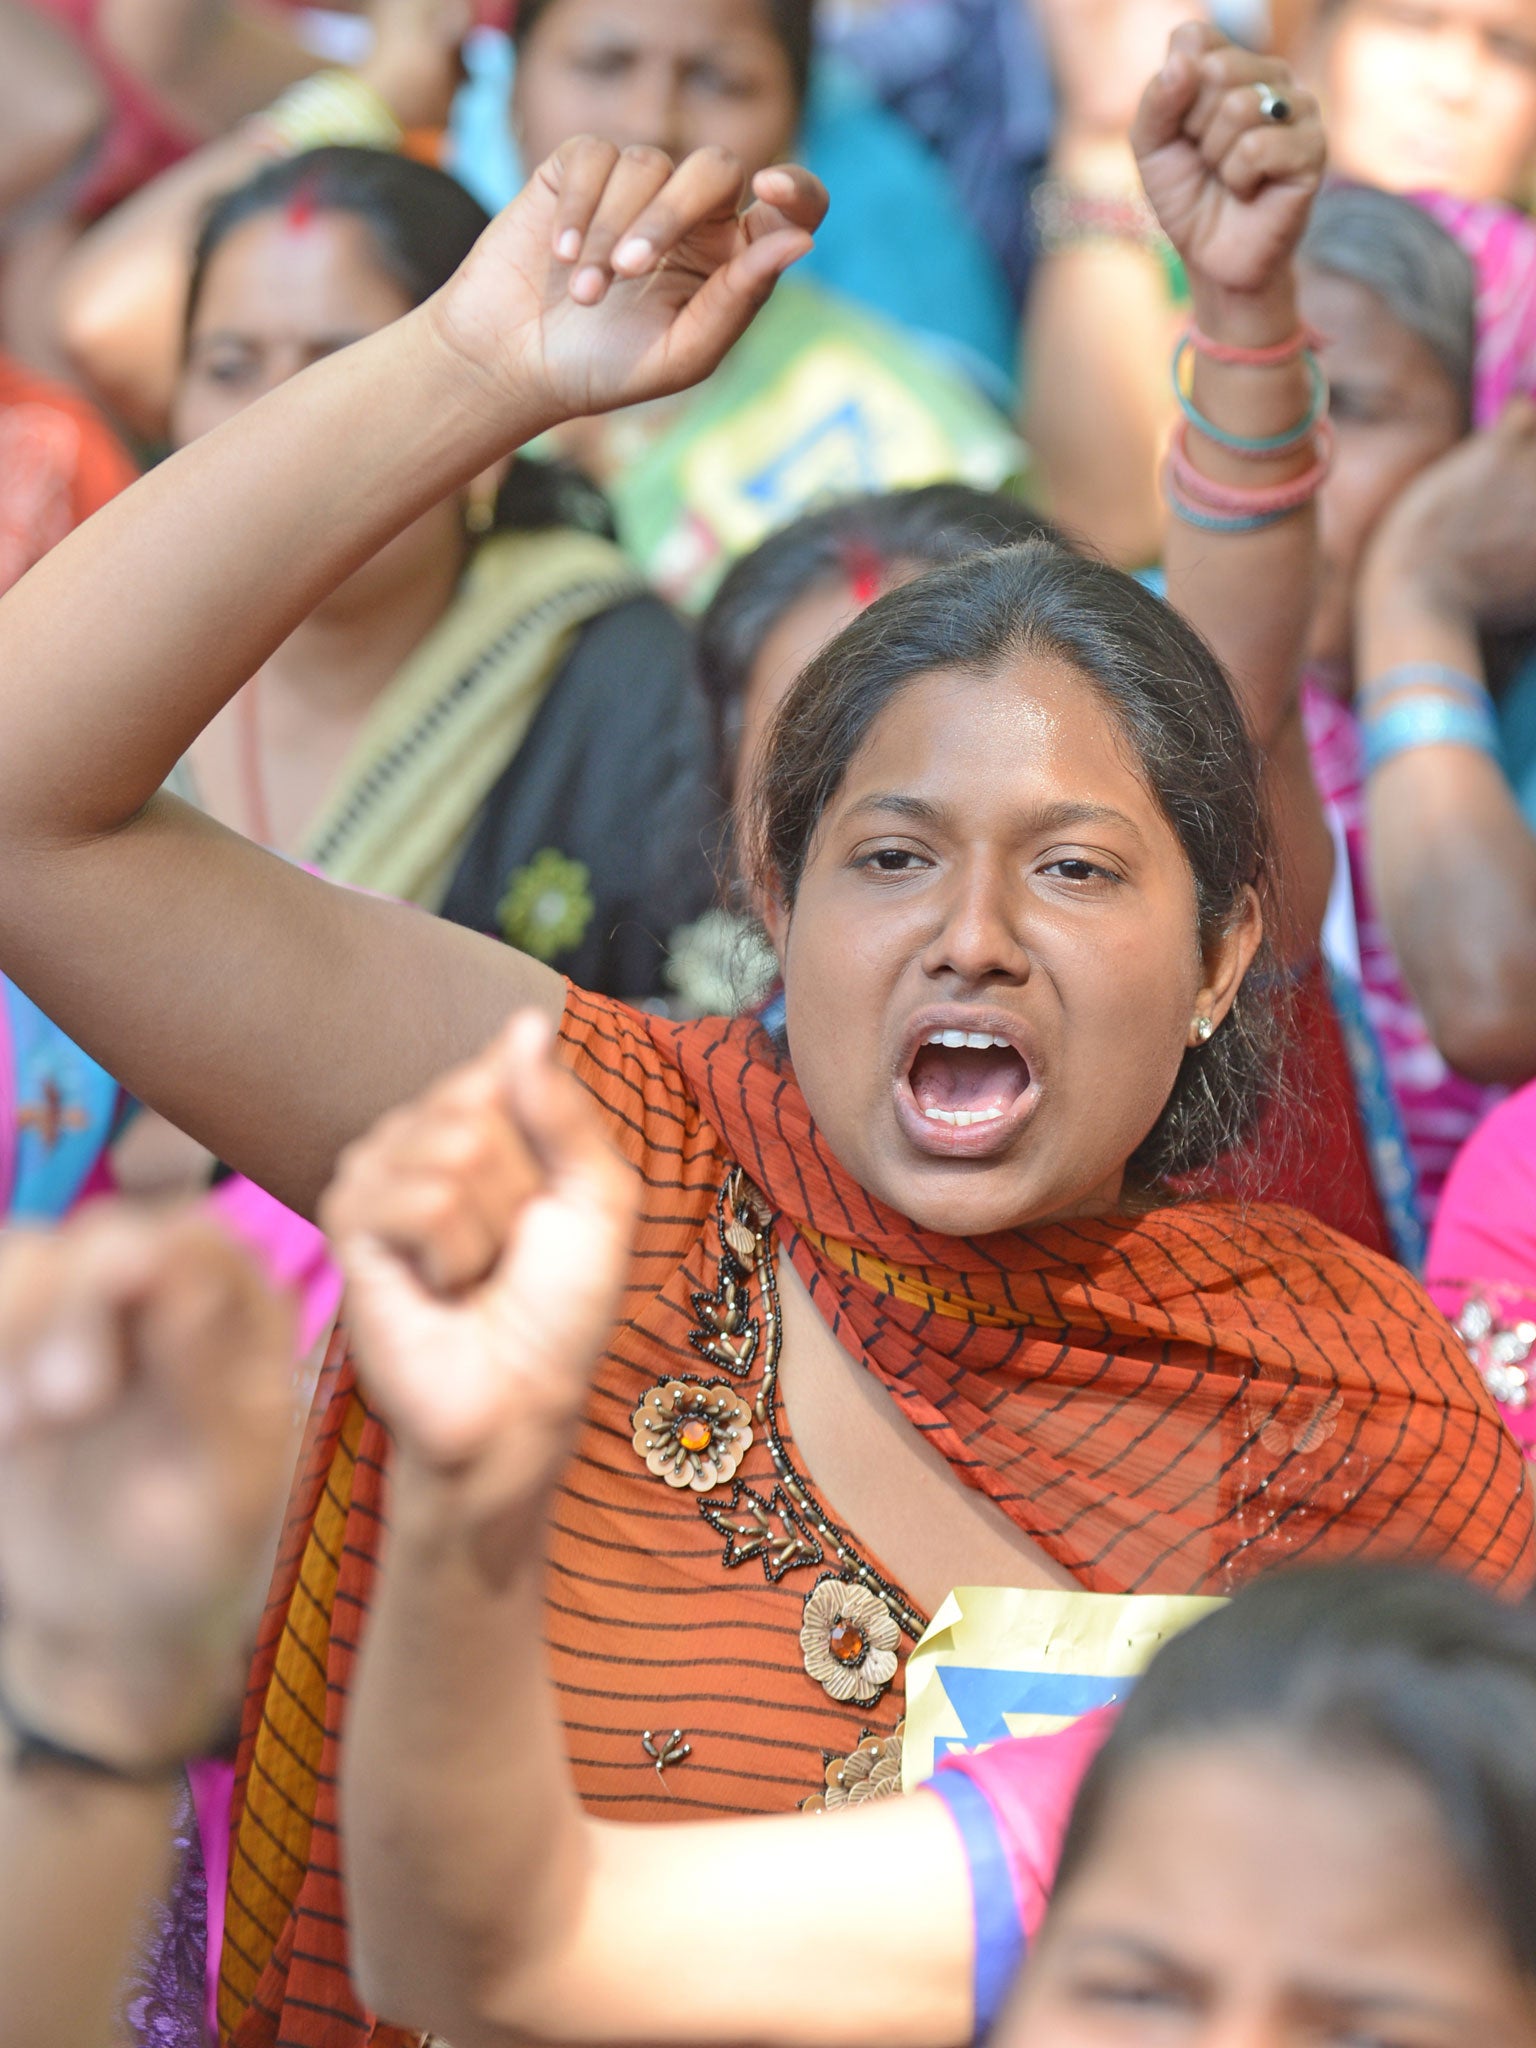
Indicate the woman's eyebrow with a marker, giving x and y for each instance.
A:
(1360, 2002)
(1062, 816)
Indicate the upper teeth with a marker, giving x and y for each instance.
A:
(974, 1041)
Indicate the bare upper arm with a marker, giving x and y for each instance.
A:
(887, 1883)
(273, 1015)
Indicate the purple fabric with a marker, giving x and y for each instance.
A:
(163, 2005)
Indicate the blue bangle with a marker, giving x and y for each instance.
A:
(1223, 522)
(1422, 675)
(1246, 444)
(1426, 721)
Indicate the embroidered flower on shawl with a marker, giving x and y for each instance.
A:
(693, 1436)
(547, 905)
(849, 1640)
(872, 1772)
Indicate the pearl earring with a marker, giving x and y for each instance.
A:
(1203, 1029)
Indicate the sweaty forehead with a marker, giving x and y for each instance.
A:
(1028, 732)
(675, 25)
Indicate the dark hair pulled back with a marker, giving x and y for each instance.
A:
(1172, 702)
(927, 527)
(421, 224)
(1359, 1664)
(793, 22)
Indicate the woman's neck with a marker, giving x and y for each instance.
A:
(334, 667)
(269, 762)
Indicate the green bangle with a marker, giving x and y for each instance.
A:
(1254, 446)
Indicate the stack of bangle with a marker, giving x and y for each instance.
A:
(1425, 704)
(1243, 508)
(328, 107)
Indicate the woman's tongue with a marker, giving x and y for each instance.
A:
(964, 1086)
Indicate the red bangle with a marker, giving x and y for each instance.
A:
(1254, 358)
(1248, 499)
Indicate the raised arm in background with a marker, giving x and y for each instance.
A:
(271, 1015)
(485, 1233)
(122, 294)
(1453, 859)
(1101, 318)
(1233, 191)
(146, 1431)
(51, 105)
(211, 62)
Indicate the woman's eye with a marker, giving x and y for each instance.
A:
(1132, 1994)
(891, 860)
(602, 64)
(723, 85)
(1513, 50)
(1073, 868)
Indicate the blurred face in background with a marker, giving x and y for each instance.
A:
(283, 290)
(678, 74)
(1433, 95)
(1243, 1895)
(1395, 411)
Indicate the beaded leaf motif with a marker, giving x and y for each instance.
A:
(769, 1529)
(725, 1333)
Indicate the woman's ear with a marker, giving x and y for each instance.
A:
(774, 912)
(1227, 959)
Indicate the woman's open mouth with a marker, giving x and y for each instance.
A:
(965, 1092)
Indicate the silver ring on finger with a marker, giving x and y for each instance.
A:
(1274, 106)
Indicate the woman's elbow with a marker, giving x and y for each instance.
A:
(1483, 1019)
(122, 347)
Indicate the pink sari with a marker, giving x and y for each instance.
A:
(1482, 1258)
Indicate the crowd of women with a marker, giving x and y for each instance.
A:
(767, 845)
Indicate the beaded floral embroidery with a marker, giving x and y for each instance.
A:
(873, 1771)
(854, 1619)
(692, 1435)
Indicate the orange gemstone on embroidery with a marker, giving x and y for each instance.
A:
(695, 1435)
(846, 1642)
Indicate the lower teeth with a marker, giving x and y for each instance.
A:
(962, 1116)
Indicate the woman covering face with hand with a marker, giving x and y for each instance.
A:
(912, 1294)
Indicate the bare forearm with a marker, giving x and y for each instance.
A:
(487, 1907)
(466, 1848)
(120, 646)
(1250, 594)
(51, 105)
(270, 1015)
(1096, 345)
(211, 62)
(1453, 861)
(81, 1860)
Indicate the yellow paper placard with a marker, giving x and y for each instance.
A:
(997, 1661)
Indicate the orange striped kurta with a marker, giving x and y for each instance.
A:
(1164, 1404)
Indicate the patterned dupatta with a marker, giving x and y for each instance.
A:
(1165, 1403)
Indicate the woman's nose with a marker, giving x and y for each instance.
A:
(980, 937)
(652, 110)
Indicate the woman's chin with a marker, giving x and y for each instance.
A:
(952, 1195)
